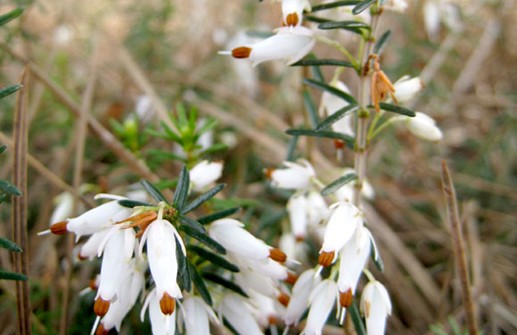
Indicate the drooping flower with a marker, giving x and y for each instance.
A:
(296, 176)
(342, 223)
(196, 315)
(300, 294)
(237, 311)
(231, 235)
(204, 174)
(296, 207)
(289, 43)
(161, 238)
(331, 103)
(322, 299)
(292, 11)
(376, 306)
(352, 261)
(424, 127)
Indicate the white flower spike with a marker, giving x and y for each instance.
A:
(290, 44)
(376, 306)
(424, 127)
(342, 223)
(205, 174)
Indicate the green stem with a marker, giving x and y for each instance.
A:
(340, 48)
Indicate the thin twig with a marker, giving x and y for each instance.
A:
(20, 234)
(458, 247)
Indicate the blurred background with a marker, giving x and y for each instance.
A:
(143, 57)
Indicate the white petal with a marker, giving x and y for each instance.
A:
(237, 312)
(353, 258)
(297, 209)
(161, 324)
(424, 127)
(197, 314)
(300, 296)
(406, 88)
(342, 223)
(204, 174)
(322, 300)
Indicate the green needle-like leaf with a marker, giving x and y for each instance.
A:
(10, 16)
(213, 258)
(199, 283)
(153, 191)
(336, 184)
(192, 224)
(218, 215)
(3, 148)
(291, 149)
(9, 90)
(9, 245)
(9, 188)
(332, 90)
(184, 280)
(323, 62)
(335, 4)
(377, 49)
(203, 238)
(181, 193)
(336, 116)
(324, 134)
(12, 275)
(202, 198)
(362, 6)
(310, 106)
(132, 203)
(225, 283)
(347, 25)
(356, 319)
(396, 109)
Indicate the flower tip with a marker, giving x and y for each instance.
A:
(167, 304)
(345, 298)
(325, 259)
(291, 278)
(283, 299)
(59, 228)
(101, 307)
(277, 255)
(241, 52)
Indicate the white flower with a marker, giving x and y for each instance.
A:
(331, 103)
(297, 209)
(317, 208)
(161, 238)
(396, 5)
(437, 11)
(266, 309)
(292, 11)
(424, 127)
(234, 238)
(238, 313)
(118, 250)
(300, 296)
(144, 108)
(289, 43)
(322, 300)
(196, 316)
(98, 218)
(376, 306)
(90, 248)
(161, 324)
(63, 210)
(342, 223)
(204, 174)
(252, 280)
(296, 176)
(353, 258)
(406, 88)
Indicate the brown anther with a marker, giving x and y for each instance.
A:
(291, 19)
(101, 307)
(345, 298)
(141, 221)
(283, 299)
(326, 258)
(277, 255)
(291, 278)
(241, 52)
(273, 320)
(338, 144)
(93, 284)
(167, 304)
(299, 238)
(101, 330)
(269, 173)
(81, 257)
(381, 85)
(59, 228)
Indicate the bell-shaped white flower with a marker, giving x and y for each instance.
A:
(267, 310)
(300, 296)
(406, 88)
(205, 174)
(341, 226)
(424, 127)
(117, 253)
(376, 306)
(63, 210)
(330, 104)
(266, 267)
(248, 279)
(234, 238)
(317, 208)
(161, 324)
(161, 238)
(98, 218)
(196, 315)
(238, 313)
(322, 299)
(90, 248)
(353, 258)
(295, 176)
(289, 43)
(296, 207)
(292, 11)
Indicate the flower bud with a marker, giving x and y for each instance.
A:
(424, 127)
(376, 306)
(204, 174)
